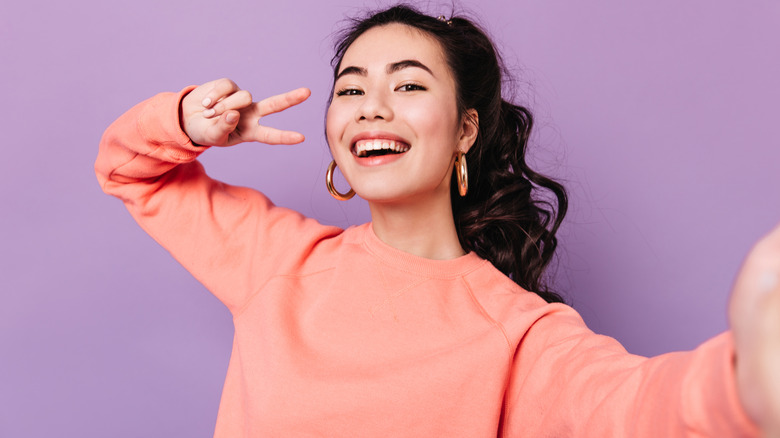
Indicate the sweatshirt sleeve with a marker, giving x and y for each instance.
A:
(232, 239)
(568, 381)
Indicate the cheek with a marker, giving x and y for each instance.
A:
(433, 119)
(333, 132)
(336, 122)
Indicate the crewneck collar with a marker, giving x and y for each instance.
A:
(419, 265)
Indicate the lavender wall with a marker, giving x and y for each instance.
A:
(658, 115)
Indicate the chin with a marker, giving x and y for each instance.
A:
(382, 196)
(399, 194)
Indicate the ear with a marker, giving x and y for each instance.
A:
(469, 129)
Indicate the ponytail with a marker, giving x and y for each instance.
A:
(503, 218)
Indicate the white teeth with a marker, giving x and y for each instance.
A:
(363, 146)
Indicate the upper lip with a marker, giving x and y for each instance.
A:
(376, 135)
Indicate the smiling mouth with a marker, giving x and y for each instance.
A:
(379, 146)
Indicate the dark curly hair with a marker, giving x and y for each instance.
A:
(507, 216)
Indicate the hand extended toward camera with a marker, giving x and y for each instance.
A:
(754, 313)
(219, 113)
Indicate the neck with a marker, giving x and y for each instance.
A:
(424, 228)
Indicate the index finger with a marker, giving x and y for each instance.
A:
(281, 102)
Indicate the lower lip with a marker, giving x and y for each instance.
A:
(378, 160)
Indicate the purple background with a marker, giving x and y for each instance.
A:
(659, 116)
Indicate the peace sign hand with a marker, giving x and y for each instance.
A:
(219, 113)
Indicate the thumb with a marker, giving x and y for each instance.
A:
(754, 313)
(230, 120)
(222, 129)
(759, 275)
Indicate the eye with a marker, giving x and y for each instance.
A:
(411, 87)
(349, 92)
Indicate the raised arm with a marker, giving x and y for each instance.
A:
(230, 238)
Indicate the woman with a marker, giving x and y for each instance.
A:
(419, 323)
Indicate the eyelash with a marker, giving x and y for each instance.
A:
(357, 92)
(349, 92)
(412, 87)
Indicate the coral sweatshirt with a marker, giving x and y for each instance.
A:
(339, 334)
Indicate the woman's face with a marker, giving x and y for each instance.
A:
(393, 124)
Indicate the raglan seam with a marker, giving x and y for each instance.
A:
(487, 315)
(257, 290)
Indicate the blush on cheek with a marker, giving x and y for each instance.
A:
(433, 117)
(330, 133)
(336, 120)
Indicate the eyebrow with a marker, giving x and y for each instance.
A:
(391, 68)
(407, 63)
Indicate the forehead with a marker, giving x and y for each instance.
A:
(391, 43)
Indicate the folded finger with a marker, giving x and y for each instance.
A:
(236, 101)
(220, 89)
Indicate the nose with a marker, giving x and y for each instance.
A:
(374, 106)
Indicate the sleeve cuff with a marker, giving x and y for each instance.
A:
(159, 124)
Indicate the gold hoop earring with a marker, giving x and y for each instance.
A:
(462, 172)
(332, 190)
